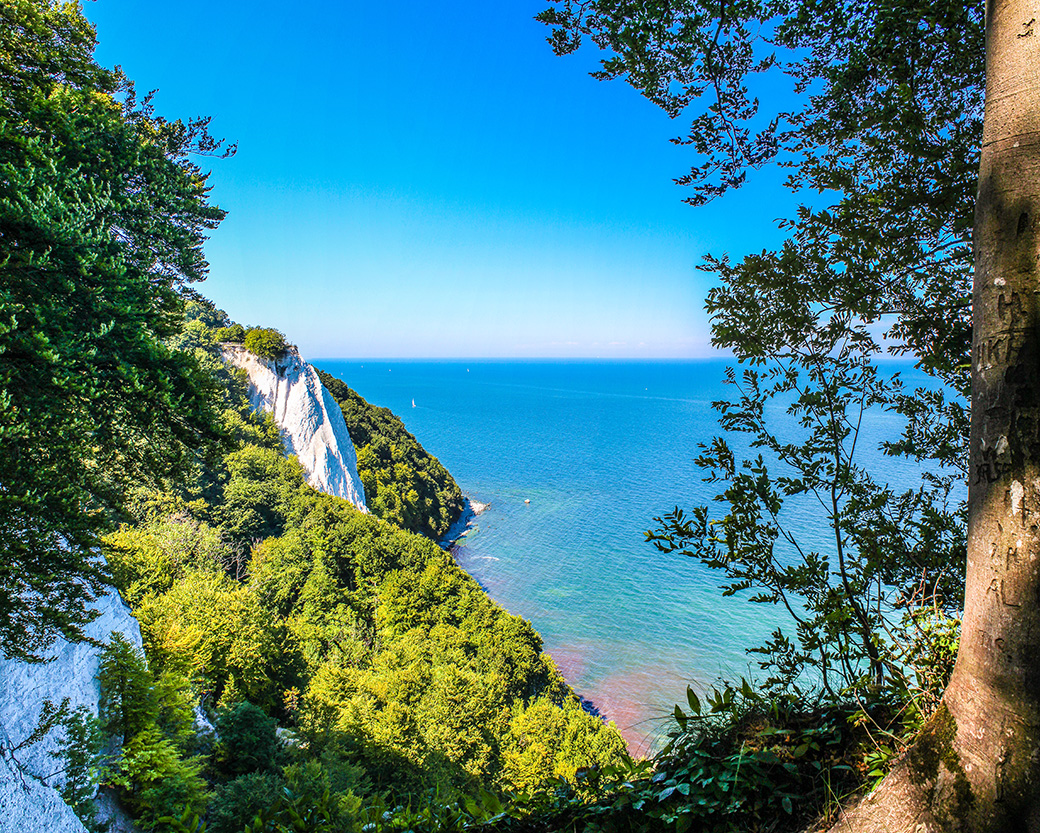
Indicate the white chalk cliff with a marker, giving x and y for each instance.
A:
(310, 420)
(29, 799)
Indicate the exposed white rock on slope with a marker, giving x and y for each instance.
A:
(310, 420)
(27, 806)
(25, 803)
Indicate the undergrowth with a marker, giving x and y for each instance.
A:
(735, 762)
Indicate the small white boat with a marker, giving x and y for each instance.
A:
(413, 403)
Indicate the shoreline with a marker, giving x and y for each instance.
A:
(466, 521)
(470, 511)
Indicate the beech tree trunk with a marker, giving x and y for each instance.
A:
(976, 765)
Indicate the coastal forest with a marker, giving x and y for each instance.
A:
(307, 666)
(301, 659)
(269, 604)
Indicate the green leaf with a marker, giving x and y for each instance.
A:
(665, 794)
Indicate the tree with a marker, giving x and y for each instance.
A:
(267, 343)
(129, 703)
(248, 740)
(102, 220)
(974, 766)
(882, 126)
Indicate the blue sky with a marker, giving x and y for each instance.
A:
(429, 180)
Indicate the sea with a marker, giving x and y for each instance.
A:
(575, 460)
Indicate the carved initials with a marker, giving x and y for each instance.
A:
(995, 346)
(999, 589)
(991, 351)
(988, 471)
(1012, 558)
(1014, 306)
(991, 646)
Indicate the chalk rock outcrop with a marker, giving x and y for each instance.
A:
(310, 420)
(29, 799)
(27, 806)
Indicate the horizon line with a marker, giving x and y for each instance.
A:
(523, 358)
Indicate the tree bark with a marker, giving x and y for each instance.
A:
(976, 765)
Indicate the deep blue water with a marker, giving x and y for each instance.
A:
(599, 449)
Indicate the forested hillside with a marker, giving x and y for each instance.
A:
(268, 603)
(262, 603)
(403, 483)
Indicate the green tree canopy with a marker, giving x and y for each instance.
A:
(266, 342)
(102, 221)
(880, 126)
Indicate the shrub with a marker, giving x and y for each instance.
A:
(266, 342)
(248, 740)
(80, 757)
(238, 802)
(236, 334)
(151, 776)
(309, 803)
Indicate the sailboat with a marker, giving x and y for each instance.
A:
(413, 403)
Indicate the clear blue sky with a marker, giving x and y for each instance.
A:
(428, 180)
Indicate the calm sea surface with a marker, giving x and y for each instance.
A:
(599, 449)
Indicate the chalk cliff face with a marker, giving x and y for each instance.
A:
(311, 422)
(29, 803)
(27, 806)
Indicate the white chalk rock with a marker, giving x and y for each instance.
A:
(310, 420)
(29, 781)
(27, 806)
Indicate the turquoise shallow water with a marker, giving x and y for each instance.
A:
(599, 449)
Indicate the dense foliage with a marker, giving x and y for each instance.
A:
(271, 604)
(152, 720)
(102, 219)
(233, 333)
(403, 483)
(261, 601)
(735, 763)
(265, 342)
(880, 133)
(407, 700)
